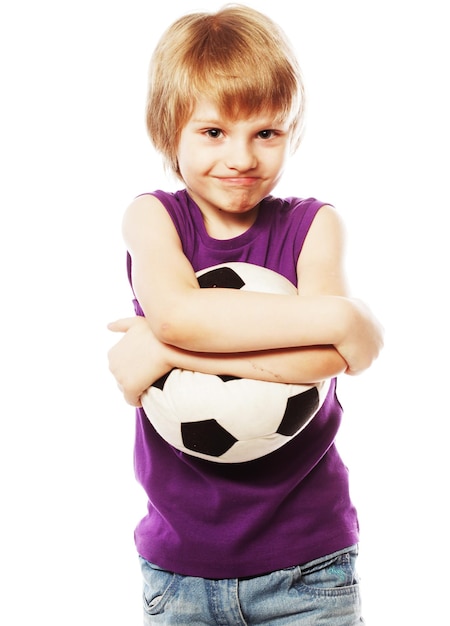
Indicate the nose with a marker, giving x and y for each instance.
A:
(240, 156)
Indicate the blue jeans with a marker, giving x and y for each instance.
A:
(323, 592)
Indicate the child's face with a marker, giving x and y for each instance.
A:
(229, 166)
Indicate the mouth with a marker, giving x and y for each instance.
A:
(238, 181)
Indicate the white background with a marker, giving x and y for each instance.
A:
(74, 152)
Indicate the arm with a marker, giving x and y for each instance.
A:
(139, 359)
(320, 270)
(183, 315)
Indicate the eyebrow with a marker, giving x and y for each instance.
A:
(209, 122)
(219, 122)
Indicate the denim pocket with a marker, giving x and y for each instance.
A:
(332, 575)
(159, 587)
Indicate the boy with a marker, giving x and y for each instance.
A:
(273, 540)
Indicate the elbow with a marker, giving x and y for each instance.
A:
(169, 333)
(174, 329)
(333, 364)
(176, 321)
(323, 362)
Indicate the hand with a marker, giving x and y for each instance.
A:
(138, 359)
(363, 340)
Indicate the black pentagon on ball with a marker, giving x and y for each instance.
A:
(162, 381)
(299, 410)
(223, 277)
(206, 437)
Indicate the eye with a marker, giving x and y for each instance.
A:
(214, 133)
(266, 134)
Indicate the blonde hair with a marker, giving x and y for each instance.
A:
(238, 57)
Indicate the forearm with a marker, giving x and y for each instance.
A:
(291, 365)
(226, 321)
(139, 359)
(254, 322)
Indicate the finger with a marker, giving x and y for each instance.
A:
(121, 325)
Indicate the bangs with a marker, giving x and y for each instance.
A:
(238, 78)
(236, 95)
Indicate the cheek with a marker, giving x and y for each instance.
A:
(183, 150)
(285, 155)
(190, 167)
(183, 160)
(186, 163)
(194, 161)
(276, 160)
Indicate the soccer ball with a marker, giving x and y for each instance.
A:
(224, 418)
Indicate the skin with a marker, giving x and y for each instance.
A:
(236, 164)
(228, 167)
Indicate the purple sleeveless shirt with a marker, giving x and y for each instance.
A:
(218, 520)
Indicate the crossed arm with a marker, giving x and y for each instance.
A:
(318, 334)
